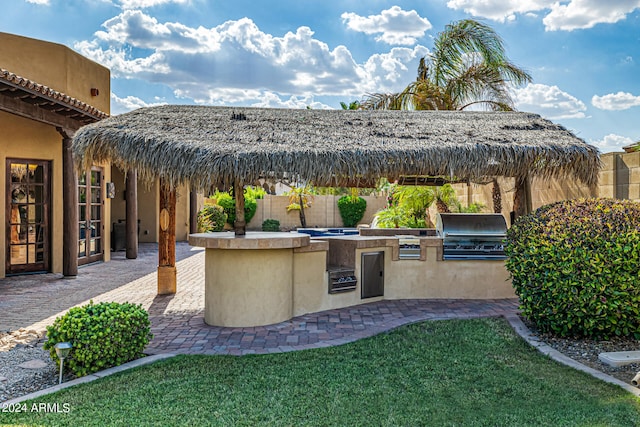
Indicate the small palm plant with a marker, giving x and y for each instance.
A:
(300, 198)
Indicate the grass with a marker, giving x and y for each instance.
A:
(445, 373)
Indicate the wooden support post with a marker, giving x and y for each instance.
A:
(522, 197)
(131, 213)
(167, 240)
(193, 211)
(240, 224)
(69, 207)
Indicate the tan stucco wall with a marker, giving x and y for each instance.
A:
(469, 279)
(63, 70)
(106, 231)
(149, 209)
(248, 287)
(182, 213)
(260, 286)
(22, 139)
(57, 67)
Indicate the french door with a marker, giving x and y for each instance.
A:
(27, 216)
(90, 216)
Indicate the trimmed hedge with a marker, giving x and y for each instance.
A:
(351, 209)
(575, 266)
(103, 335)
(270, 225)
(228, 203)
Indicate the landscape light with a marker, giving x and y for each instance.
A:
(62, 350)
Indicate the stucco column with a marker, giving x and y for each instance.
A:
(70, 207)
(131, 214)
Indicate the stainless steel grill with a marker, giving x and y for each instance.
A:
(472, 236)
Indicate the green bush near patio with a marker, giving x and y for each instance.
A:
(228, 203)
(270, 225)
(211, 219)
(575, 266)
(103, 335)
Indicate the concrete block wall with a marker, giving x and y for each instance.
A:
(322, 213)
(620, 176)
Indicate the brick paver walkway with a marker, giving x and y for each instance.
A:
(32, 302)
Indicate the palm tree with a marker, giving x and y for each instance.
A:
(445, 197)
(354, 105)
(416, 201)
(467, 67)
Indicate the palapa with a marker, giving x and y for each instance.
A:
(222, 146)
(230, 147)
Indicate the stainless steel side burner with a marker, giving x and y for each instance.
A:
(408, 247)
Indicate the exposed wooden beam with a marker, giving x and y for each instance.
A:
(33, 112)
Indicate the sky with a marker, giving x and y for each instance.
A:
(583, 55)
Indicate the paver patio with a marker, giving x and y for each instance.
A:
(177, 321)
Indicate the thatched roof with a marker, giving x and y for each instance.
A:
(217, 145)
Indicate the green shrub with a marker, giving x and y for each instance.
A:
(575, 266)
(211, 218)
(103, 335)
(270, 225)
(351, 209)
(228, 203)
(254, 193)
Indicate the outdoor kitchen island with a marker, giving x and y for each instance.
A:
(265, 278)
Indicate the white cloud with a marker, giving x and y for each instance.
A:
(236, 62)
(142, 4)
(392, 71)
(564, 15)
(499, 10)
(615, 101)
(272, 100)
(43, 2)
(612, 142)
(549, 101)
(395, 26)
(580, 14)
(122, 105)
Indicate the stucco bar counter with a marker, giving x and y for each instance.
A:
(265, 278)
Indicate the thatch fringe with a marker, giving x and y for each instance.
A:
(207, 147)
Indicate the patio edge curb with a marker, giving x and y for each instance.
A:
(100, 374)
(520, 328)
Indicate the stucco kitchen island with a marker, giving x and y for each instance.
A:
(265, 278)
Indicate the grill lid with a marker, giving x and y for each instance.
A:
(456, 226)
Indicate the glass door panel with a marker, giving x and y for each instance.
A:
(90, 216)
(27, 216)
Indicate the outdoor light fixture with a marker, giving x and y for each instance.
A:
(62, 350)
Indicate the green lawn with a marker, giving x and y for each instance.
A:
(443, 373)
